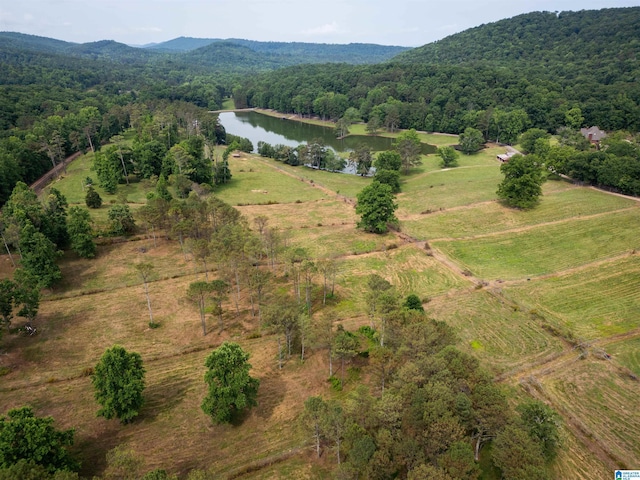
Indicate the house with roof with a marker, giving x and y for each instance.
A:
(504, 158)
(593, 134)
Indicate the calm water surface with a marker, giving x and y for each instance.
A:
(273, 130)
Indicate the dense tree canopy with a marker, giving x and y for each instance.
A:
(118, 381)
(23, 436)
(523, 179)
(376, 208)
(231, 388)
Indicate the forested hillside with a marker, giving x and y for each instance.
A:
(309, 52)
(585, 39)
(534, 67)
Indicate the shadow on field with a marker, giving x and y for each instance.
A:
(271, 394)
(94, 448)
(163, 397)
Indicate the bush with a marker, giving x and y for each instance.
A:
(93, 198)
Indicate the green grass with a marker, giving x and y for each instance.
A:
(448, 188)
(627, 353)
(602, 402)
(593, 303)
(546, 249)
(341, 183)
(407, 268)
(337, 240)
(254, 182)
(501, 336)
(71, 184)
(324, 212)
(227, 104)
(493, 217)
(431, 138)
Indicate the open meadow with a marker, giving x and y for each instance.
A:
(546, 299)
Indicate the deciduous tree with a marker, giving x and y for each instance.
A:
(470, 141)
(121, 220)
(408, 145)
(388, 177)
(80, 232)
(542, 423)
(388, 160)
(523, 179)
(23, 436)
(231, 388)
(376, 208)
(315, 412)
(119, 382)
(449, 156)
(39, 255)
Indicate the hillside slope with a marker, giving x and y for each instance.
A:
(607, 35)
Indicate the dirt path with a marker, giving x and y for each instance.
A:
(44, 180)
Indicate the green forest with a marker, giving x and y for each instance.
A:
(333, 337)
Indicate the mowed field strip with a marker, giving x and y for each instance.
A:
(577, 249)
(547, 248)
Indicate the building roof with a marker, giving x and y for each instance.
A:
(506, 156)
(594, 133)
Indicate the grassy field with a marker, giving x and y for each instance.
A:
(342, 184)
(255, 182)
(602, 402)
(627, 353)
(491, 217)
(546, 249)
(317, 213)
(441, 189)
(576, 248)
(502, 336)
(594, 302)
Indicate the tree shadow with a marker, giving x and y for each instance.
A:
(271, 394)
(93, 449)
(163, 397)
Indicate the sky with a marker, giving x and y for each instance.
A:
(408, 23)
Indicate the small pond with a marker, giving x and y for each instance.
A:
(257, 127)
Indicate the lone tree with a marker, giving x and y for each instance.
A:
(408, 145)
(522, 184)
(92, 198)
(231, 389)
(119, 383)
(470, 141)
(449, 156)
(23, 436)
(376, 208)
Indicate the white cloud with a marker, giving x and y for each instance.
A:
(326, 29)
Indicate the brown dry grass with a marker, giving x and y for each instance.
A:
(75, 325)
(324, 212)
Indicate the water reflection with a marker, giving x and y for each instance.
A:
(274, 130)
